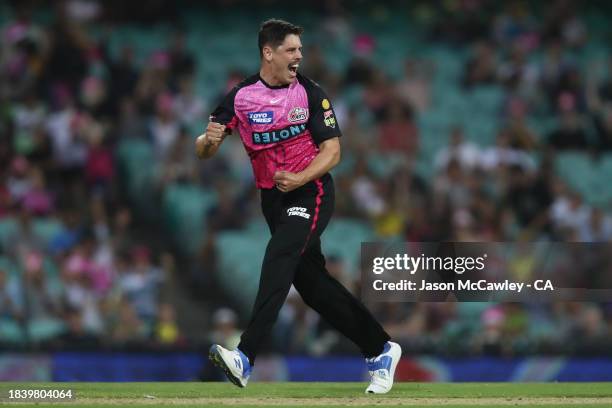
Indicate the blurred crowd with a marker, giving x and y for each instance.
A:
(104, 277)
(77, 266)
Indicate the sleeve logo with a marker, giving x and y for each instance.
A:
(261, 118)
(297, 114)
(329, 119)
(325, 104)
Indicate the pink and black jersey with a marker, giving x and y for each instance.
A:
(280, 126)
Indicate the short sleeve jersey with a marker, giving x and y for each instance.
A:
(281, 127)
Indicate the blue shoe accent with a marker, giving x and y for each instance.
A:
(246, 366)
(383, 363)
(382, 368)
(380, 362)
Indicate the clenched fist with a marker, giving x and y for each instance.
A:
(208, 143)
(287, 181)
(215, 133)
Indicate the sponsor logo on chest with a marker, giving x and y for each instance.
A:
(278, 135)
(261, 118)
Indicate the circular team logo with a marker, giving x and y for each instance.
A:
(325, 104)
(297, 114)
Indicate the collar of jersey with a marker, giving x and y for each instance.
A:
(272, 86)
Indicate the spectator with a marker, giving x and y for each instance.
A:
(64, 126)
(76, 335)
(128, 328)
(132, 123)
(11, 298)
(42, 301)
(365, 190)
(598, 228)
(37, 200)
(570, 135)
(179, 165)
(124, 75)
(182, 62)
(18, 183)
(189, 108)
(464, 152)
(205, 268)
(80, 295)
(167, 330)
(336, 267)
(123, 236)
(397, 131)
(377, 94)
(140, 284)
(528, 201)
(225, 215)
(451, 185)
(164, 126)
(603, 127)
(481, 67)
(67, 63)
(415, 88)
(503, 155)
(23, 240)
(569, 213)
(224, 328)
(315, 65)
(28, 117)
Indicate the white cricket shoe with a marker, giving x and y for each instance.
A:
(233, 362)
(382, 369)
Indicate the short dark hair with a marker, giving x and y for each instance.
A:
(273, 32)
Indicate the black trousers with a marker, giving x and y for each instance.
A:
(293, 256)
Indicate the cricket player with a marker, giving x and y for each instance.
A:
(289, 130)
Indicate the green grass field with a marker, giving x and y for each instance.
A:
(583, 395)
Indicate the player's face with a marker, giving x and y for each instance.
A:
(286, 59)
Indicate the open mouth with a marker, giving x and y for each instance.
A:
(293, 68)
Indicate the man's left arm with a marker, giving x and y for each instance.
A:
(327, 158)
(325, 132)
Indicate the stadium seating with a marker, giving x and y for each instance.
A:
(137, 166)
(241, 254)
(587, 176)
(185, 210)
(343, 238)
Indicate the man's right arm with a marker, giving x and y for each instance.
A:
(221, 122)
(208, 143)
